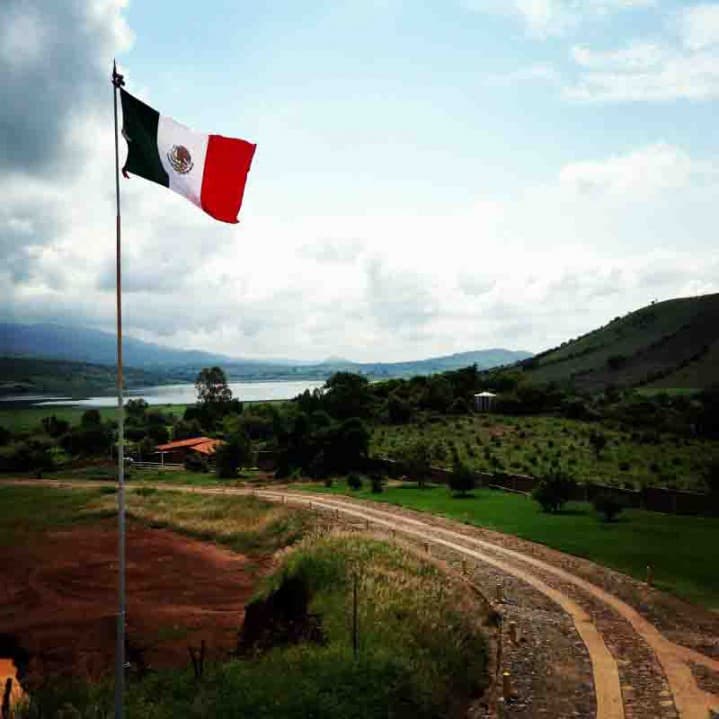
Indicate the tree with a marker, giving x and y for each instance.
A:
(398, 409)
(354, 481)
(347, 445)
(554, 489)
(91, 418)
(439, 394)
(377, 483)
(598, 442)
(347, 395)
(186, 429)
(233, 454)
(55, 427)
(462, 480)
(214, 398)
(211, 385)
(135, 409)
(416, 461)
(711, 478)
(608, 505)
(459, 406)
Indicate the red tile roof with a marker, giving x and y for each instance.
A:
(208, 447)
(184, 443)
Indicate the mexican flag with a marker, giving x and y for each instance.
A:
(209, 170)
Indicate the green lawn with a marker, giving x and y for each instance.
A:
(683, 551)
(526, 444)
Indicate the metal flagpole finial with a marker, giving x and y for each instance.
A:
(117, 79)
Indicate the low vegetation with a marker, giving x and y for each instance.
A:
(529, 445)
(682, 550)
(245, 524)
(419, 650)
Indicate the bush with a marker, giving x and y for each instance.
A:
(232, 455)
(609, 505)
(398, 409)
(415, 458)
(354, 481)
(459, 406)
(196, 463)
(53, 426)
(554, 489)
(462, 479)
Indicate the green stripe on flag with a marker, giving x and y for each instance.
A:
(139, 127)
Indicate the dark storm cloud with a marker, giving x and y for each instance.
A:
(54, 63)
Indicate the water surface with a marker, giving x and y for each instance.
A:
(186, 393)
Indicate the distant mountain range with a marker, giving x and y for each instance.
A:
(672, 344)
(81, 344)
(24, 345)
(665, 345)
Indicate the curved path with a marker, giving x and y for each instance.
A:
(689, 699)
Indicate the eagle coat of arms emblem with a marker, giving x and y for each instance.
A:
(180, 159)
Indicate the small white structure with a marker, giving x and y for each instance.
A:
(483, 401)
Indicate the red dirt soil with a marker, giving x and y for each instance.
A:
(58, 596)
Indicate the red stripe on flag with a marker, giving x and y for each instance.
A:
(223, 182)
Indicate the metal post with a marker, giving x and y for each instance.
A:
(355, 641)
(117, 83)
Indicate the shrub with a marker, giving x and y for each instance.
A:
(598, 442)
(608, 505)
(354, 481)
(462, 479)
(232, 455)
(415, 458)
(53, 426)
(195, 463)
(459, 406)
(554, 489)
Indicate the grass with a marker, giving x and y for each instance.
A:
(421, 651)
(524, 445)
(421, 648)
(25, 510)
(25, 419)
(245, 524)
(683, 551)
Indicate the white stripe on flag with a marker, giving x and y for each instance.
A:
(185, 176)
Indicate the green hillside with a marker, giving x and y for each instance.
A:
(27, 376)
(669, 345)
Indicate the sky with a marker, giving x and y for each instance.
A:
(430, 177)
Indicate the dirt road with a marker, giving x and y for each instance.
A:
(636, 670)
(690, 701)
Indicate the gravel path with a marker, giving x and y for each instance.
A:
(656, 673)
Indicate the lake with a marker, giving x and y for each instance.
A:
(186, 393)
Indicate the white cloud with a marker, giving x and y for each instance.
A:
(685, 67)
(543, 18)
(699, 26)
(527, 271)
(639, 173)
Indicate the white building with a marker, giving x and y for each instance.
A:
(483, 401)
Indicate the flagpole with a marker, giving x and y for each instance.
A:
(117, 83)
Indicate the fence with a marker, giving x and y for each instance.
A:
(653, 499)
(156, 465)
